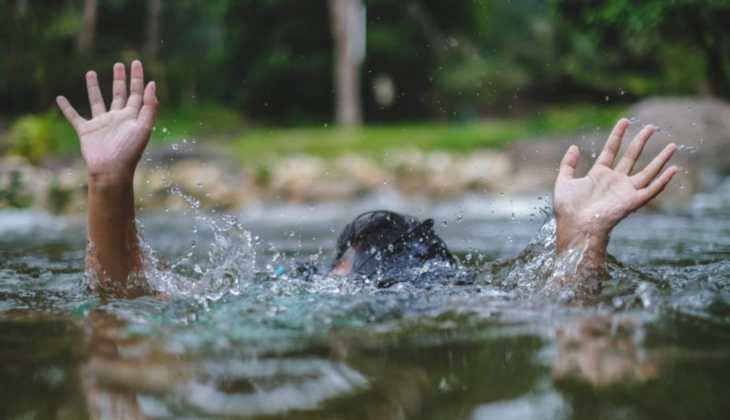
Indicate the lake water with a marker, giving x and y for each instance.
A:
(655, 344)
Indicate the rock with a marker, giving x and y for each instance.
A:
(485, 170)
(536, 161)
(291, 175)
(362, 171)
(701, 127)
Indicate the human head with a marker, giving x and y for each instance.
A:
(379, 242)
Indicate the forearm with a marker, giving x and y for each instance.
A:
(114, 254)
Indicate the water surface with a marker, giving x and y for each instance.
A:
(655, 344)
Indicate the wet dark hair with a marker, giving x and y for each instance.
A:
(385, 241)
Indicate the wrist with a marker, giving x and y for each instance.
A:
(111, 179)
(570, 234)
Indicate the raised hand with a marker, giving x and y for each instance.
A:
(112, 141)
(588, 208)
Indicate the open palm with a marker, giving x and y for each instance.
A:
(112, 141)
(600, 200)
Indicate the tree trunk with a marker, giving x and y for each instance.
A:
(717, 77)
(88, 27)
(153, 27)
(347, 60)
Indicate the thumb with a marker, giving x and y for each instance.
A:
(149, 109)
(569, 163)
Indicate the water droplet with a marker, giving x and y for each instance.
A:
(444, 223)
(164, 129)
(607, 98)
(175, 146)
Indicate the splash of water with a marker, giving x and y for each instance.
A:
(230, 269)
(538, 272)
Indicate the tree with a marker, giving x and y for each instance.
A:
(348, 34)
(703, 23)
(87, 33)
(153, 27)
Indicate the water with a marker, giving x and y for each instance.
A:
(655, 343)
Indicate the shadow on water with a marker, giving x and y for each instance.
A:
(654, 344)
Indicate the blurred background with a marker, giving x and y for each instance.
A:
(329, 100)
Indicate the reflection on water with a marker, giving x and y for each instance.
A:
(655, 343)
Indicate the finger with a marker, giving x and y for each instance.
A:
(149, 110)
(569, 163)
(648, 193)
(95, 98)
(69, 112)
(136, 86)
(643, 178)
(613, 144)
(627, 162)
(119, 87)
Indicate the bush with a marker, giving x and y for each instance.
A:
(31, 136)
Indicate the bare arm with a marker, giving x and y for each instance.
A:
(112, 143)
(587, 209)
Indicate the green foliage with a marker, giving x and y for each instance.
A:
(191, 121)
(196, 120)
(658, 35)
(457, 60)
(30, 136)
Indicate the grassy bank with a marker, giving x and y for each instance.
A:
(224, 130)
(330, 142)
